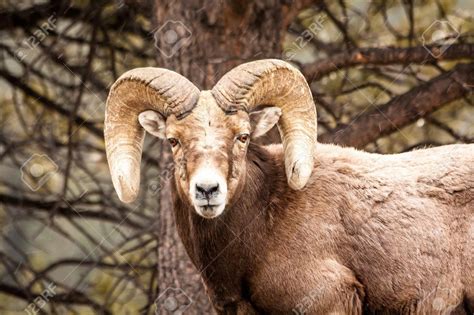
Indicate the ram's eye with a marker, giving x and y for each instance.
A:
(243, 137)
(173, 141)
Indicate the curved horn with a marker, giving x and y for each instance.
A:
(277, 83)
(138, 90)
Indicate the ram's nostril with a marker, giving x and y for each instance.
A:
(206, 190)
(213, 189)
(200, 189)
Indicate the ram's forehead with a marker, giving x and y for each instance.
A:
(207, 116)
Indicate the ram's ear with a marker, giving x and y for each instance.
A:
(263, 120)
(153, 122)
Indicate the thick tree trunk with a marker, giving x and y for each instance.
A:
(202, 40)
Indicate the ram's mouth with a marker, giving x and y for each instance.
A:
(210, 211)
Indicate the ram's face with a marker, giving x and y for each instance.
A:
(209, 149)
(209, 146)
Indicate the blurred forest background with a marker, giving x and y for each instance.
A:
(387, 76)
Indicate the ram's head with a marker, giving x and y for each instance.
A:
(209, 131)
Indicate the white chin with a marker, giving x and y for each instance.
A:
(210, 212)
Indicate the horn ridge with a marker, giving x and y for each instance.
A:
(135, 91)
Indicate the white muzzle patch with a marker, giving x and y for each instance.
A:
(208, 191)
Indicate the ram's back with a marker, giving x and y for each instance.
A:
(445, 173)
(408, 219)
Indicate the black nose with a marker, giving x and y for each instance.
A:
(206, 190)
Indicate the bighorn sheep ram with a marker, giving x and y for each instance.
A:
(344, 232)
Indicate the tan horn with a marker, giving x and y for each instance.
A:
(138, 90)
(276, 83)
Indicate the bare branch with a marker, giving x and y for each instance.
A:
(405, 109)
(46, 206)
(385, 56)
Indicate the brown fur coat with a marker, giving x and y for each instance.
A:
(369, 233)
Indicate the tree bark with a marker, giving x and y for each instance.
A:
(218, 35)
